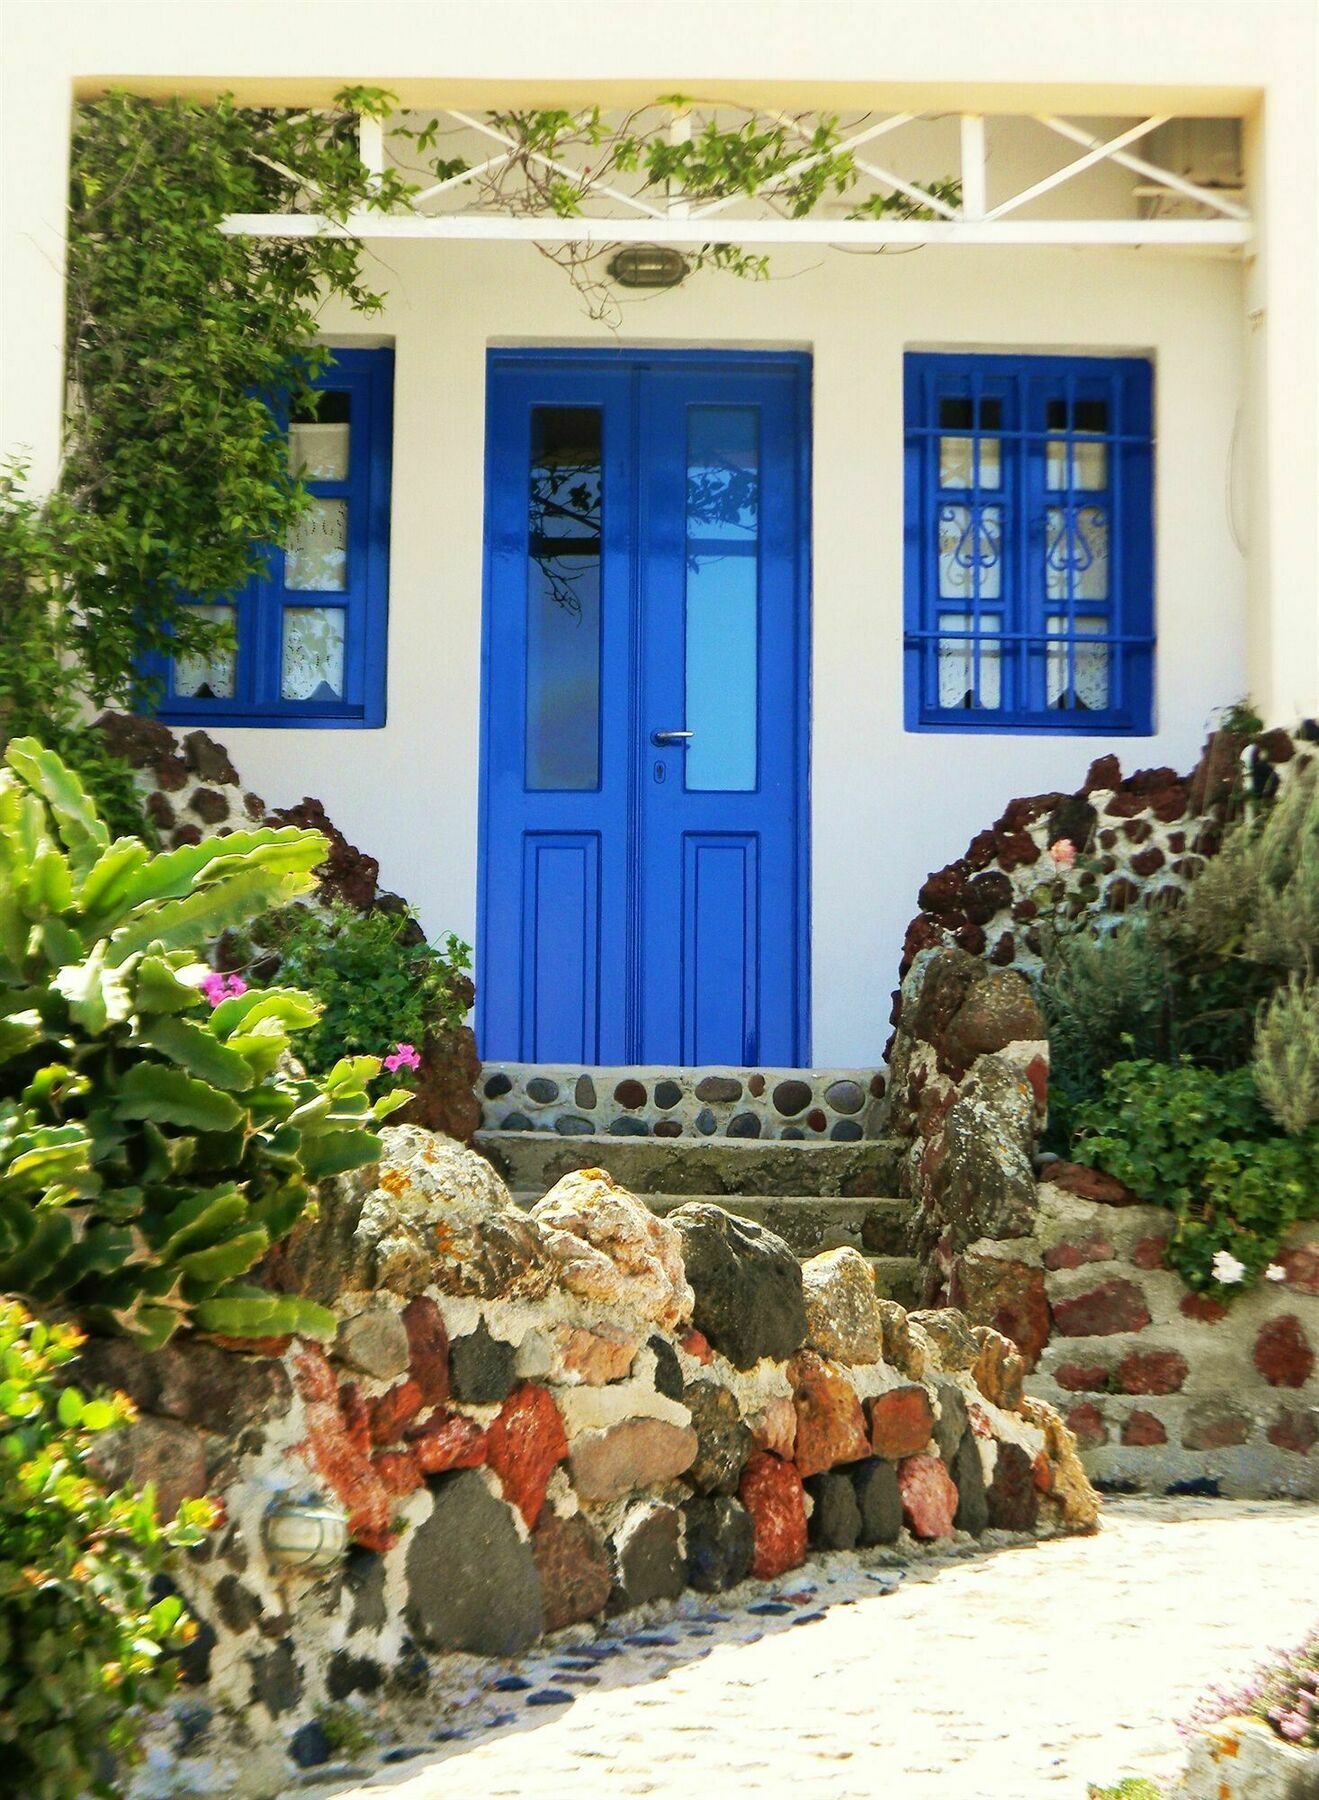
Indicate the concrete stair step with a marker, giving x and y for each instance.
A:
(532, 1161)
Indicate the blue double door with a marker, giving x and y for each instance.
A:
(643, 871)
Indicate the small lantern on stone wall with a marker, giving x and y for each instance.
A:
(308, 1534)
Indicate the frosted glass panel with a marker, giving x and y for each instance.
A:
(319, 438)
(316, 549)
(1076, 554)
(564, 521)
(1087, 687)
(723, 594)
(209, 677)
(968, 550)
(1089, 465)
(312, 665)
(956, 462)
(957, 663)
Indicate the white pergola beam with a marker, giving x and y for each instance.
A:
(803, 163)
(974, 186)
(1151, 171)
(549, 162)
(371, 147)
(1100, 153)
(850, 233)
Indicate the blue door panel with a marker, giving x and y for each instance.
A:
(645, 901)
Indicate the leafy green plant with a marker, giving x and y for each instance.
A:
(345, 1730)
(83, 1646)
(153, 1147)
(1131, 1787)
(1201, 1142)
(1286, 1061)
(380, 981)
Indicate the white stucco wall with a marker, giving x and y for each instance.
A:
(887, 806)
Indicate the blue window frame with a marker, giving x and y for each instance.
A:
(311, 629)
(1029, 554)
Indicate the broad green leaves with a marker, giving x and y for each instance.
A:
(153, 1146)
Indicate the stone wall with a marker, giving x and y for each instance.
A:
(834, 1105)
(1146, 837)
(533, 1420)
(190, 790)
(1162, 1386)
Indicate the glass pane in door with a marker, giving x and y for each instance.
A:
(564, 523)
(723, 592)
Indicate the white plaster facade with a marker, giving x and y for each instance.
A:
(1233, 337)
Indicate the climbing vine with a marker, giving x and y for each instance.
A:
(172, 480)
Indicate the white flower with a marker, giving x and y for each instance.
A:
(1275, 1272)
(1226, 1268)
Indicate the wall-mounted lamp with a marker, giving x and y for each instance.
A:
(303, 1534)
(648, 266)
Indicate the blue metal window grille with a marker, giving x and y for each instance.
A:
(311, 630)
(1029, 551)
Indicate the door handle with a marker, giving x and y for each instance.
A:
(660, 738)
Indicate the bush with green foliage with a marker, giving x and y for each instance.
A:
(153, 1147)
(83, 1645)
(380, 982)
(1201, 1142)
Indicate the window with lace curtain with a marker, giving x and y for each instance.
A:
(1029, 555)
(308, 636)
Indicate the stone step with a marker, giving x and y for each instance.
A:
(532, 1161)
(897, 1278)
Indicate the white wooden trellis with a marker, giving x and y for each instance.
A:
(740, 219)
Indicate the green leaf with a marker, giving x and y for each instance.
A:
(150, 1091)
(19, 1033)
(184, 924)
(336, 1152)
(287, 1008)
(103, 886)
(195, 1049)
(98, 995)
(80, 829)
(225, 1261)
(69, 1407)
(351, 1074)
(252, 1312)
(160, 988)
(200, 1219)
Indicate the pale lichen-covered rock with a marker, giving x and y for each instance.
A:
(1069, 1486)
(433, 1214)
(843, 1316)
(611, 1249)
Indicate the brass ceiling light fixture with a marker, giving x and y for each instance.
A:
(649, 266)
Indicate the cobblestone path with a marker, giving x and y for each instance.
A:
(1019, 1673)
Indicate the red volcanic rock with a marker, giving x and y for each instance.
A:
(1168, 803)
(1215, 1425)
(831, 1426)
(772, 1493)
(1148, 862)
(1104, 772)
(1086, 1422)
(1090, 1184)
(1282, 1352)
(1081, 1378)
(1010, 1296)
(447, 1441)
(1152, 1372)
(1017, 850)
(335, 1449)
(929, 1497)
(523, 1445)
(399, 1470)
(574, 1569)
(1071, 1256)
(1203, 1308)
(942, 891)
(1037, 1074)
(392, 1411)
(1296, 1431)
(1302, 1266)
(428, 1349)
(355, 1412)
(1149, 1252)
(634, 1454)
(1142, 1429)
(697, 1345)
(901, 1422)
(1113, 1306)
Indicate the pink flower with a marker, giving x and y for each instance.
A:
(217, 987)
(403, 1056)
(1063, 853)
